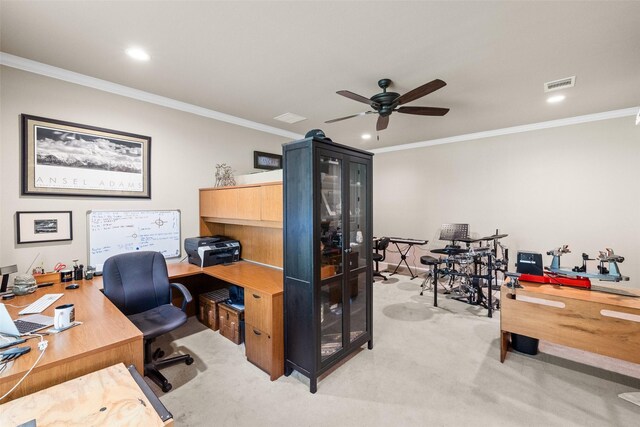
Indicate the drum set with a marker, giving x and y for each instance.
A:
(469, 273)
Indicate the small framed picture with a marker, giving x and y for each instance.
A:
(266, 160)
(40, 227)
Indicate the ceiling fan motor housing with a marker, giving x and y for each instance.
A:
(386, 101)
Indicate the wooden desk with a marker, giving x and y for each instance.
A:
(105, 338)
(264, 319)
(108, 397)
(263, 312)
(599, 322)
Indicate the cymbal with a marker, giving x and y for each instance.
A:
(469, 240)
(494, 237)
(450, 251)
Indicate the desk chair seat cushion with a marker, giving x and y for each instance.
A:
(159, 320)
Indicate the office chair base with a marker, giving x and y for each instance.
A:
(378, 274)
(151, 370)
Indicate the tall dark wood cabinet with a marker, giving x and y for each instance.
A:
(327, 254)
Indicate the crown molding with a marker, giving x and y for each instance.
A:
(24, 64)
(106, 86)
(614, 114)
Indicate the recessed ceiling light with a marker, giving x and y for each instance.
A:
(555, 99)
(366, 136)
(137, 53)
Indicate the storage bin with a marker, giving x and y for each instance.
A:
(231, 322)
(524, 344)
(208, 307)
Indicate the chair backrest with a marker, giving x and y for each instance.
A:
(136, 281)
(383, 244)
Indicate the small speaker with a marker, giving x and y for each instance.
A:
(529, 263)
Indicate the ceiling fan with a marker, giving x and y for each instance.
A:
(385, 103)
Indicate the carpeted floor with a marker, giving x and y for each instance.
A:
(429, 366)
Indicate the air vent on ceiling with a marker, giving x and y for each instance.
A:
(290, 118)
(560, 84)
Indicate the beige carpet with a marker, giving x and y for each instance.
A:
(429, 366)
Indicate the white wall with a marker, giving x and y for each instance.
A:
(577, 185)
(184, 151)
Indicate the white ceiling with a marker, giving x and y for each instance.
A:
(257, 60)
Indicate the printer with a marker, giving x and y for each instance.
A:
(206, 251)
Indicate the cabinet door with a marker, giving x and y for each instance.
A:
(224, 203)
(271, 203)
(359, 248)
(206, 203)
(248, 203)
(331, 247)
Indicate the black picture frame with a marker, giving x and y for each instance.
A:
(268, 161)
(43, 226)
(62, 158)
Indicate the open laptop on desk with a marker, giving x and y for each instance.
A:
(23, 326)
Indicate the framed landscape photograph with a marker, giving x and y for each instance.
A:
(40, 227)
(69, 159)
(268, 161)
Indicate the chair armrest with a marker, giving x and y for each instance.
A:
(185, 293)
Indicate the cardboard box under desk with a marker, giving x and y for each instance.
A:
(231, 321)
(208, 308)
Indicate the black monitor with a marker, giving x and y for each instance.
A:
(5, 272)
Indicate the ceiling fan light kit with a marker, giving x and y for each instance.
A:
(385, 103)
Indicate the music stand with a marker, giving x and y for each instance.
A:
(454, 232)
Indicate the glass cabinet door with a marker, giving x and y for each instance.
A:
(331, 255)
(359, 249)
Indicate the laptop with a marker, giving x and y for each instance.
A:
(23, 326)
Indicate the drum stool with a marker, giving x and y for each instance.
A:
(433, 264)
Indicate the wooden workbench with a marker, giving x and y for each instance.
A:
(108, 397)
(599, 322)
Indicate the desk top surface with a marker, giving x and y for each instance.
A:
(242, 273)
(581, 294)
(103, 326)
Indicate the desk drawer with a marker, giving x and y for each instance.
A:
(258, 310)
(259, 347)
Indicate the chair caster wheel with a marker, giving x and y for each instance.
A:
(189, 361)
(166, 387)
(158, 354)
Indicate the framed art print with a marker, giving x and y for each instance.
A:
(69, 159)
(40, 227)
(268, 161)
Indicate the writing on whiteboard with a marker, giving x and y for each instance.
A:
(115, 232)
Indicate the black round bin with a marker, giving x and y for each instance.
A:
(524, 344)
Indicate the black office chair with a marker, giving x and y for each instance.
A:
(138, 284)
(380, 245)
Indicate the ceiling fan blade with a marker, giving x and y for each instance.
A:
(421, 91)
(383, 122)
(348, 117)
(357, 97)
(423, 111)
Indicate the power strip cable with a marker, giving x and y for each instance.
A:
(42, 346)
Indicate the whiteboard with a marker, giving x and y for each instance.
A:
(115, 232)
